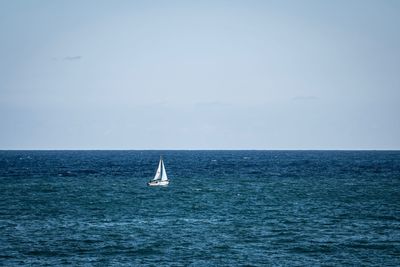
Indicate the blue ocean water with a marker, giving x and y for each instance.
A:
(222, 208)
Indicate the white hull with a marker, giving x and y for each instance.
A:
(158, 183)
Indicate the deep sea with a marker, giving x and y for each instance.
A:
(222, 208)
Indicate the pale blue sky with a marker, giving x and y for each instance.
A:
(199, 74)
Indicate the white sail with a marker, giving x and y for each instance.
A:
(164, 176)
(158, 172)
(161, 178)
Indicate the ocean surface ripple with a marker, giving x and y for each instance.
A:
(222, 208)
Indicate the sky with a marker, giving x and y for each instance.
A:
(199, 74)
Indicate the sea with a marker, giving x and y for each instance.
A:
(222, 208)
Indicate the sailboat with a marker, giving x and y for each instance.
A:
(161, 178)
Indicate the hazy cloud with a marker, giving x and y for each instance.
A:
(71, 58)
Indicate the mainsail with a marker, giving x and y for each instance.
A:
(161, 174)
(164, 176)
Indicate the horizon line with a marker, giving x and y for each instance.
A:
(208, 149)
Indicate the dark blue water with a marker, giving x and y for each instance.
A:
(222, 208)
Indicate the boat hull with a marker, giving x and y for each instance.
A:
(158, 183)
